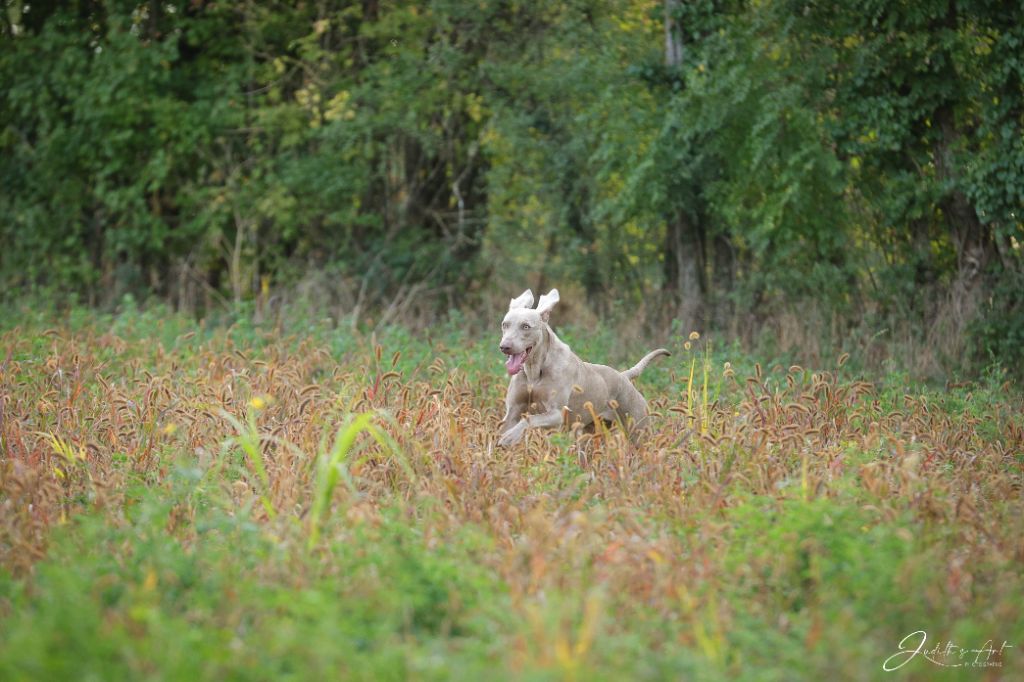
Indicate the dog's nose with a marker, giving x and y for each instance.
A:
(505, 348)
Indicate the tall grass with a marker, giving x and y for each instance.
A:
(164, 517)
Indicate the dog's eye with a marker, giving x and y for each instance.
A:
(525, 326)
(504, 325)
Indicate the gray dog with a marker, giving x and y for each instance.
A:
(548, 375)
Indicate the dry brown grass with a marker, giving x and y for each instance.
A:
(624, 532)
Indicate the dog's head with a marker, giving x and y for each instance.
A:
(523, 327)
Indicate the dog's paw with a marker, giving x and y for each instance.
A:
(510, 438)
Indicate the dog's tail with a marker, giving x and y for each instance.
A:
(634, 371)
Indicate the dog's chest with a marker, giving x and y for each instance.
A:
(534, 397)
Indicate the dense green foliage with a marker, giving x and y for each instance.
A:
(803, 172)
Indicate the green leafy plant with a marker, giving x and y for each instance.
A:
(332, 466)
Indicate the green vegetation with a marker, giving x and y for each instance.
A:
(795, 176)
(184, 501)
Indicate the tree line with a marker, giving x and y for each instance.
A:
(723, 164)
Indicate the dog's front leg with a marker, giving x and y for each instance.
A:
(512, 417)
(549, 419)
(514, 434)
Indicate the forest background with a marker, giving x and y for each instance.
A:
(796, 176)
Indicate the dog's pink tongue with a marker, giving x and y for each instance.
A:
(515, 363)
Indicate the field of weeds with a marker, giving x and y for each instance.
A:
(185, 502)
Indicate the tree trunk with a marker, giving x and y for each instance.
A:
(673, 43)
(684, 269)
(593, 275)
(722, 278)
(972, 239)
(684, 256)
(593, 269)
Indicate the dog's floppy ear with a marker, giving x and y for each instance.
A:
(547, 302)
(524, 300)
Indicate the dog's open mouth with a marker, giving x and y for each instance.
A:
(515, 362)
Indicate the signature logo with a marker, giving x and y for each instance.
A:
(946, 655)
